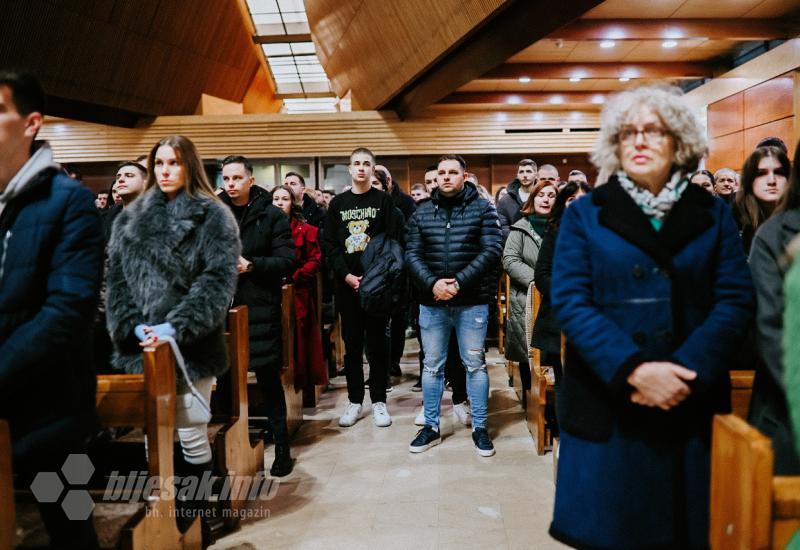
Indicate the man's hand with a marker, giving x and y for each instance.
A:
(353, 281)
(243, 265)
(660, 384)
(444, 289)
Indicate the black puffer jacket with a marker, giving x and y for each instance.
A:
(267, 242)
(508, 208)
(454, 237)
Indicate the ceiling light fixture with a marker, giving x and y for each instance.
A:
(606, 44)
(624, 78)
(668, 44)
(524, 79)
(575, 79)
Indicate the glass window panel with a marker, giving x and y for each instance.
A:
(289, 88)
(298, 28)
(316, 87)
(303, 169)
(263, 6)
(295, 17)
(267, 19)
(337, 176)
(291, 5)
(283, 70)
(264, 174)
(276, 49)
(270, 30)
(302, 48)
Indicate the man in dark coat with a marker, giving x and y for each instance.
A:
(453, 243)
(312, 212)
(508, 208)
(51, 252)
(267, 257)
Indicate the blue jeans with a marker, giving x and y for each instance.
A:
(470, 324)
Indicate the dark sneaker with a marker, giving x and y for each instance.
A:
(483, 443)
(283, 464)
(388, 386)
(417, 386)
(395, 370)
(426, 438)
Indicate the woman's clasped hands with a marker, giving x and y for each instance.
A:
(660, 384)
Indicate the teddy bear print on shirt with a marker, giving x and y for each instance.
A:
(358, 239)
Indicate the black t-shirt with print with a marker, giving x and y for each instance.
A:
(352, 220)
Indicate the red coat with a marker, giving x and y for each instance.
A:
(310, 366)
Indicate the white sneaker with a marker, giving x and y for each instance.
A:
(463, 413)
(420, 419)
(380, 415)
(351, 414)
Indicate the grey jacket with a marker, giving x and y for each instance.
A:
(768, 408)
(519, 261)
(173, 261)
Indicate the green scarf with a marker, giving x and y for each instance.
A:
(538, 223)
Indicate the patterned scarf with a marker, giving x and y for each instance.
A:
(655, 206)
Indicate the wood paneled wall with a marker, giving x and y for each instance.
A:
(328, 135)
(738, 122)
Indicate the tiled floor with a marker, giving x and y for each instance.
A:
(359, 487)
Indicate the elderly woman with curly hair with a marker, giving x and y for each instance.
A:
(651, 287)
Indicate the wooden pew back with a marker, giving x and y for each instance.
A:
(749, 507)
(741, 391)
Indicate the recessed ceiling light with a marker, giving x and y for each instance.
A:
(624, 79)
(605, 44)
(575, 79)
(669, 44)
(556, 99)
(524, 79)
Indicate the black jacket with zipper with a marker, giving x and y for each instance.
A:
(454, 237)
(267, 242)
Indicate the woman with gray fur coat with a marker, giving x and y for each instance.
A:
(172, 272)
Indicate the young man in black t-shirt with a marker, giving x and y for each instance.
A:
(354, 217)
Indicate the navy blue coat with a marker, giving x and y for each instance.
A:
(631, 476)
(49, 282)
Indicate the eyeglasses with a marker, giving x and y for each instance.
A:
(650, 133)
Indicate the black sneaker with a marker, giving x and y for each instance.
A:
(426, 438)
(417, 386)
(388, 386)
(483, 443)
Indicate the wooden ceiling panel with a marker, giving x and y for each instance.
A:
(715, 8)
(402, 40)
(625, 9)
(773, 8)
(115, 60)
(545, 51)
(590, 50)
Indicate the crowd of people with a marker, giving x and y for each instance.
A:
(645, 272)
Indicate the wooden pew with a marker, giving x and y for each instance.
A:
(311, 398)
(750, 509)
(7, 510)
(741, 391)
(542, 389)
(234, 453)
(294, 397)
(148, 401)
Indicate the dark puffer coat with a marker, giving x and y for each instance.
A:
(172, 261)
(457, 237)
(508, 208)
(267, 242)
(51, 253)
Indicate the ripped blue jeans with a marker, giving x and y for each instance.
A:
(470, 324)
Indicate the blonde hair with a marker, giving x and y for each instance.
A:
(666, 101)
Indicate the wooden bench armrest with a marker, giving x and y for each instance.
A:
(742, 378)
(114, 383)
(786, 497)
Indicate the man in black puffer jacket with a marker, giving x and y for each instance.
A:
(267, 257)
(453, 242)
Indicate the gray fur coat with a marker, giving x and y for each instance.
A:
(173, 261)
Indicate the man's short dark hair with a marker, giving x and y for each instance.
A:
(238, 159)
(526, 162)
(26, 92)
(419, 187)
(432, 167)
(363, 151)
(331, 192)
(140, 158)
(298, 176)
(458, 158)
(133, 163)
(773, 141)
